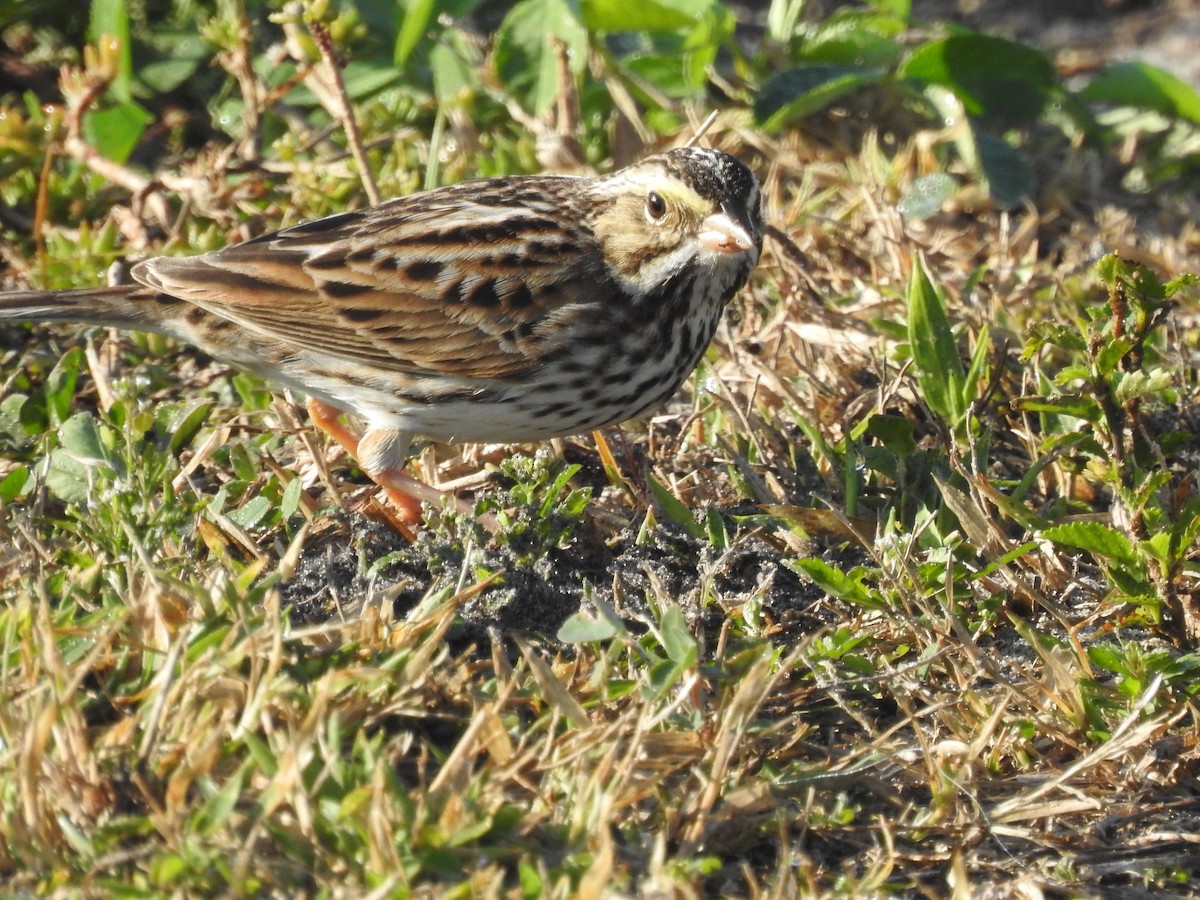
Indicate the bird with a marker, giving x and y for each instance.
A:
(500, 310)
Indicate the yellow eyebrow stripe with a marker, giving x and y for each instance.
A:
(670, 189)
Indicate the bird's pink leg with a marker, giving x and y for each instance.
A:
(405, 492)
(381, 453)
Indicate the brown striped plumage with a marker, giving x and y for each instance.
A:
(506, 309)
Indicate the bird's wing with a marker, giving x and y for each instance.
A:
(437, 283)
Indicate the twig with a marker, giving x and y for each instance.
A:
(74, 145)
(342, 108)
(704, 126)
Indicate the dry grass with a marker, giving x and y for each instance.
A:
(941, 723)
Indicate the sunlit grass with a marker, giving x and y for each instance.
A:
(877, 604)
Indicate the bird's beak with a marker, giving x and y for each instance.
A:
(724, 233)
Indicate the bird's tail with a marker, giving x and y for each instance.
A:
(125, 306)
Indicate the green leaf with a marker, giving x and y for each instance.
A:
(835, 582)
(290, 502)
(244, 466)
(1146, 284)
(1186, 529)
(32, 414)
(796, 93)
(526, 61)
(187, 422)
(926, 196)
(582, 628)
(1077, 407)
(167, 869)
(115, 131)
(712, 33)
(576, 502)
(977, 368)
(1111, 353)
(261, 753)
(601, 625)
(417, 16)
(168, 55)
(854, 38)
(645, 15)
(664, 71)
(1172, 287)
(1002, 169)
(80, 451)
(1047, 333)
(674, 510)
(252, 512)
(1109, 657)
(901, 10)
(1005, 170)
(1159, 546)
(1133, 385)
(453, 74)
(783, 19)
(992, 76)
(67, 478)
(714, 527)
(468, 834)
(214, 814)
(678, 640)
(80, 437)
(165, 75)
(10, 417)
(1096, 538)
(60, 385)
(108, 22)
(1146, 87)
(664, 675)
(13, 483)
(934, 351)
(894, 432)
(363, 81)
(1110, 267)
(531, 882)
(882, 460)
(1072, 373)
(556, 489)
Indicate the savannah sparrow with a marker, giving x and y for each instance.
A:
(499, 310)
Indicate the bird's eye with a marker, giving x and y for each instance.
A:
(656, 206)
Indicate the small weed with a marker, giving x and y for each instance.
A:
(1113, 374)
